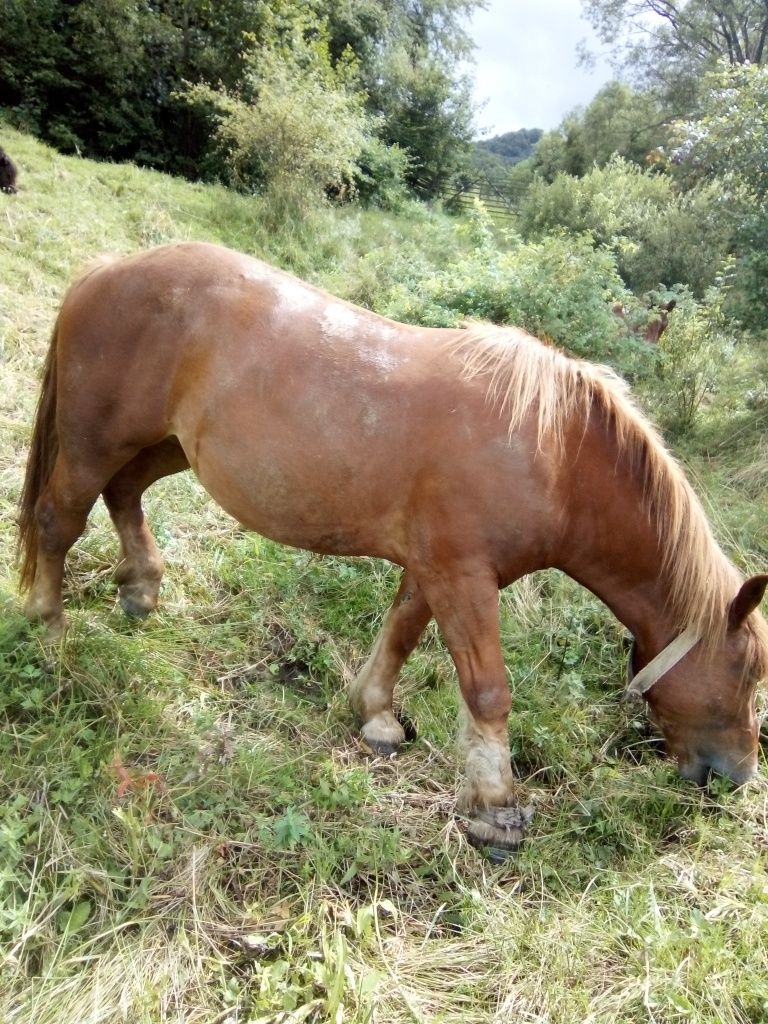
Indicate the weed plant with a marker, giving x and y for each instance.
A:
(189, 830)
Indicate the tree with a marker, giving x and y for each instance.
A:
(727, 145)
(413, 57)
(513, 146)
(57, 60)
(671, 43)
(426, 112)
(619, 121)
(622, 120)
(99, 76)
(105, 77)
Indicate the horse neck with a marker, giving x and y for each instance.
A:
(611, 544)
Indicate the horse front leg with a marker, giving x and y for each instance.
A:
(371, 692)
(466, 608)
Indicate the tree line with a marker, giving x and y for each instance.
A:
(666, 167)
(371, 99)
(168, 84)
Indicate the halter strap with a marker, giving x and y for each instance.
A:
(674, 652)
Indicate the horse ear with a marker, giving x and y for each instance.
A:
(747, 599)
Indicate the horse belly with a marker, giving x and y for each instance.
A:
(308, 499)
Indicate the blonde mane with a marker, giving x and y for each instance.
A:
(523, 374)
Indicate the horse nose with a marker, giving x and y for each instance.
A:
(695, 770)
(739, 771)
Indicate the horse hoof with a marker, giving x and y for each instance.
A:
(383, 734)
(379, 748)
(499, 831)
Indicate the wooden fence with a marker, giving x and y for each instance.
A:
(499, 199)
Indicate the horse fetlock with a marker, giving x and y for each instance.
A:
(488, 781)
(372, 703)
(146, 569)
(498, 831)
(383, 734)
(53, 618)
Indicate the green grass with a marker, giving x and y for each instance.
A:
(259, 868)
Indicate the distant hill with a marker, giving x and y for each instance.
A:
(512, 147)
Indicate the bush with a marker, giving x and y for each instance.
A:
(299, 121)
(658, 235)
(560, 288)
(691, 355)
(381, 173)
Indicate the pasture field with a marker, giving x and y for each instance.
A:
(190, 831)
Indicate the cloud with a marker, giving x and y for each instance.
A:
(526, 63)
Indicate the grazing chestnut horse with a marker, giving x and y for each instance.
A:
(468, 457)
(8, 173)
(654, 327)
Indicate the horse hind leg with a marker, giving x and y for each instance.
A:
(61, 512)
(371, 692)
(466, 608)
(140, 569)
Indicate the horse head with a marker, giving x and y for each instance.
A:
(704, 703)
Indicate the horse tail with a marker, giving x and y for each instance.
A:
(42, 456)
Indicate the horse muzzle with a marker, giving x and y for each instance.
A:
(698, 768)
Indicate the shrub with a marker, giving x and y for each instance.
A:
(691, 355)
(657, 234)
(560, 288)
(381, 173)
(299, 120)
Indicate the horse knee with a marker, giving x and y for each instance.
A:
(489, 702)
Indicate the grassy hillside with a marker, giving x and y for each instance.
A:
(189, 830)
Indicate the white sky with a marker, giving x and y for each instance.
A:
(526, 66)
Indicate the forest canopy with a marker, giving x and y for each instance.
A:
(112, 78)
